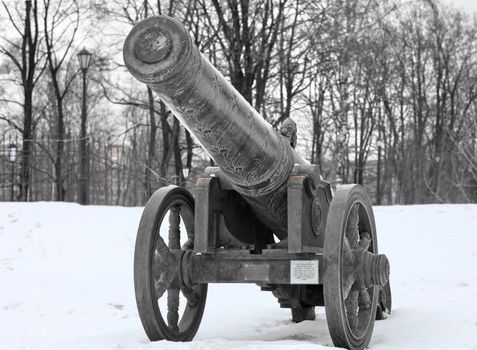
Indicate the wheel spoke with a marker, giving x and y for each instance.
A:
(351, 304)
(173, 308)
(365, 240)
(187, 218)
(352, 229)
(161, 246)
(364, 299)
(157, 267)
(163, 283)
(348, 268)
(174, 229)
(191, 295)
(163, 269)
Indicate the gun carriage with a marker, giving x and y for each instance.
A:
(326, 252)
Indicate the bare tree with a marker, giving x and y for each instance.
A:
(247, 36)
(24, 53)
(60, 22)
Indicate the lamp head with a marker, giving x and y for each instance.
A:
(12, 152)
(84, 57)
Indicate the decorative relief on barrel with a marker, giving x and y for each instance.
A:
(251, 121)
(268, 140)
(253, 156)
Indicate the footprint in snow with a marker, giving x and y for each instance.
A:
(7, 265)
(299, 337)
(117, 306)
(11, 306)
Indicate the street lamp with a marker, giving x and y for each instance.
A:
(84, 57)
(12, 156)
(380, 145)
(185, 173)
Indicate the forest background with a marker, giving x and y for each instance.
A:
(384, 93)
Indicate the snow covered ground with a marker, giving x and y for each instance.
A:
(66, 283)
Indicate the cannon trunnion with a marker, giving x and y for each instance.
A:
(326, 253)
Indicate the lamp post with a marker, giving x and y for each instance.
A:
(12, 156)
(185, 174)
(84, 57)
(380, 144)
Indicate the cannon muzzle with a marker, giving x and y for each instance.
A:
(254, 157)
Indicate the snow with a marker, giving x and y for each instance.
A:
(66, 283)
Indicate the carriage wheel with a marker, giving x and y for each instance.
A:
(352, 268)
(157, 267)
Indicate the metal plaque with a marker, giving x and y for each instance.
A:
(304, 272)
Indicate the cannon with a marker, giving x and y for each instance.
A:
(263, 216)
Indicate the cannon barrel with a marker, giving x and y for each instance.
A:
(253, 156)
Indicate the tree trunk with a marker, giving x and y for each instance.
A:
(151, 151)
(166, 145)
(60, 135)
(177, 153)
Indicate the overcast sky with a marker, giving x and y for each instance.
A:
(466, 4)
